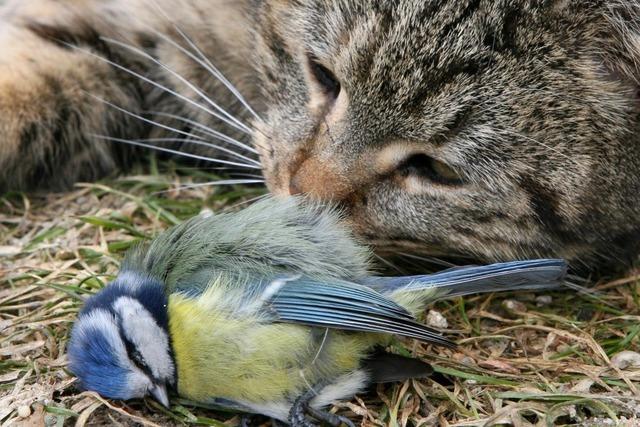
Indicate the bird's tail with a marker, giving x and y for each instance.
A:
(415, 291)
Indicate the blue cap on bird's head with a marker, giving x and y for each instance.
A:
(120, 344)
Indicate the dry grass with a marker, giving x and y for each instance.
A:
(523, 359)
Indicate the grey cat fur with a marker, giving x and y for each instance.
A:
(491, 129)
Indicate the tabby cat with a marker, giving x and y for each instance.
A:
(495, 129)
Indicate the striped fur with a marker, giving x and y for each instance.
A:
(495, 129)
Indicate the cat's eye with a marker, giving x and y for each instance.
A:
(428, 168)
(324, 78)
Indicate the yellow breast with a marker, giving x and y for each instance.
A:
(241, 358)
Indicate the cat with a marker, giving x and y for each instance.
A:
(489, 129)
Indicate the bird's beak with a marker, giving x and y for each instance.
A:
(159, 392)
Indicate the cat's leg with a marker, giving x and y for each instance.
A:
(60, 60)
(49, 112)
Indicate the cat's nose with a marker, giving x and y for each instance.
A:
(320, 180)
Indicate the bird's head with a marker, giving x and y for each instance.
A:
(120, 345)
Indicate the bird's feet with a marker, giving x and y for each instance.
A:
(301, 412)
(249, 420)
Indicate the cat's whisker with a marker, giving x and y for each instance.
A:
(145, 79)
(389, 264)
(201, 142)
(223, 115)
(548, 147)
(206, 130)
(171, 151)
(166, 127)
(528, 138)
(246, 175)
(245, 202)
(212, 184)
(431, 260)
(204, 62)
(209, 168)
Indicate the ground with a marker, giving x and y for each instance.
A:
(560, 358)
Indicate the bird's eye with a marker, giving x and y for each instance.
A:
(324, 78)
(428, 168)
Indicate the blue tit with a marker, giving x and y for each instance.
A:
(271, 310)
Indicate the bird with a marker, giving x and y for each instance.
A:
(271, 310)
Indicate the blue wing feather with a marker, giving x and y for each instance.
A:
(348, 306)
(368, 306)
(516, 275)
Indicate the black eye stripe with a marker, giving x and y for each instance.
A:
(132, 352)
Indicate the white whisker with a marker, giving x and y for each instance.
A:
(389, 264)
(246, 175)
(227, 182)
(225, 117)
(201, 142)
(245, 202)
(206, 129)
(169, 150)
(205, 63)
(548, 147)
(432, 260)
(162, 126)
(145, 79)
(204, 168)
(212, 184)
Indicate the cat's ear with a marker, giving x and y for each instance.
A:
(621, 42)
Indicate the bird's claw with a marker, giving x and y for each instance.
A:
(329, 418)
(301, 410)
(247, 420)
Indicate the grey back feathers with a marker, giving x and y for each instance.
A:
(270, 237)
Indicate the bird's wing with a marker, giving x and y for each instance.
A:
(516, 275)
(343, 305)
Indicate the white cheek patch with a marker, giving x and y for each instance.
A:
(151, 341)
(103, 322)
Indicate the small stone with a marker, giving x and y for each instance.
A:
(626, 359)
(543, 300)
(435, 319)
(514, 306)
(24, 411)
(468, 361)
(583, 386)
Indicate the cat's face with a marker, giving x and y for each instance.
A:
(487, 128)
